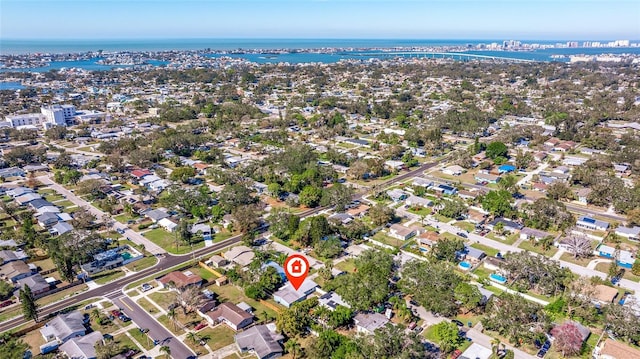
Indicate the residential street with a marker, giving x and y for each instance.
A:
(134, 236)
(156, 330)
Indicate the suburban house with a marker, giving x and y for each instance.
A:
(592, 224)
(427, 240)
(614, 349)
(401, 232)
(11, 172)
(394, 165)
(231, 315)
(583, 195)
(203, 229)
(15, 270)
(507, 225)
(604, 294)
(632, 233)
(445, 189)
(61, 228)
(241, 255)
(216, 261)
(167, 224)
(36, 283)
(332, 300)
(367, 323)
(8, 256)
(396, 195)
(103, 261)
(418, 201)
(180, 279)
(82, 347)
(64, 327)
(422, 182)
(156, 215)
(261, 340)
(487, 177)
(527, 233)
(359, 211)
(625, 258)
(340, 218)
(476, 351)
(454, 170)
(476, 217)
(471, 254)
(287, 295)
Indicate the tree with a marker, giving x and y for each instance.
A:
(189, 298)
(328, 248)
(183, 174)
(468, 295)
(578, 244)
(453, 208)
(83, 219)
(5, 290)
(166, 349)
(292, 346)
(295, 320)
(381, 214)
(546, 214)
(496, 149)
(369, 285)
(106, 349)
(568, 339)
(447, 249)
(559, 190)
(623, 322)
(337, 195)
(247, 218)
(516, 318)
(447, 336)
(432, 285)
(633, 217)
(312, 229)
(29, 306)
(340, 317)
(498, 203)
(12, 347)
(538, 273)
(234, 195)
(173, 317)
(509, 183)
(282, 223)
(310, 196)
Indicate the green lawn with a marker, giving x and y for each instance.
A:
(420, 211)
(123, 218)
(65, 204)
(146, 305)
(61, 295)
(125, 342)
(142, 338)
(230, 293)
(167, 241)
(491, 252)
(108, 276)
(163, 298)
(568, 257)
(219, 336)
(219, 237)
(466, 226)
(528, 246)
(52, 197)
(347, 265)
(383, 238)
(205, 274)
(142, 263)
(173, 327)
(442, 218)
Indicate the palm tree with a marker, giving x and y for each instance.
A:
(166, 349)
(193, 337)
(171, 314)
(95, 314)
(495, 345)
(293, 347)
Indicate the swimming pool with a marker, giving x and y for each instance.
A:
(126, 256)
(464, 265)
(497, 278)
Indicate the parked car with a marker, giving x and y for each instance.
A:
(124, 318)
(116, 313)
(6, 303)
(146, 287)
(120, 230)
(462, 234)
(130, 353)
(144, 330)
(201, 325)
(458, 323)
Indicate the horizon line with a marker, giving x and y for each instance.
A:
(309, 38)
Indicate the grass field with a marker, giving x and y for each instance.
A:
(347, 265)
(142, 263)
(528, 246)
(491, 252)
(125, 342)
(141, 338)
(174, 327)
(163, 298)
(167, 241)
(108, 276)
(218, 337)
(230, 293)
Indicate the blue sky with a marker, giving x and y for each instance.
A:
(428, 19)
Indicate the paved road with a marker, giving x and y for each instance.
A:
(156, 330)
(134, 236)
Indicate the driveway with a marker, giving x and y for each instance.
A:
(156, 330)
(135, 237)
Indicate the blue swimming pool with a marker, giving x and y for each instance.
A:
(498, 278)
(464, 265)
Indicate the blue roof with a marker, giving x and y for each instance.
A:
(588, 220)
(507, 168)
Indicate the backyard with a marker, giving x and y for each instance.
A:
(168, 241)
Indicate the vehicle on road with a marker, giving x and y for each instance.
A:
(120, 230)
(458, 323)
(462, 234)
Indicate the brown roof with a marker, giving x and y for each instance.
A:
(358, 210)
(618, 350)
(230, 312)
(605, 293)
(180, 279)
(201, 166)
(432, 236)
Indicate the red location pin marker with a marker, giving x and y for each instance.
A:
(296, 267)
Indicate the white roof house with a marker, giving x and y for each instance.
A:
(168, 224)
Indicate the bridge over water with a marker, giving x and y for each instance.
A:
(435, 55)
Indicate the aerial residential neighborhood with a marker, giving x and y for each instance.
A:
(447, 209)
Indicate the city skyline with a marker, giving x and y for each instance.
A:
(458, 19)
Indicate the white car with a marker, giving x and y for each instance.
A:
(145, 287)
